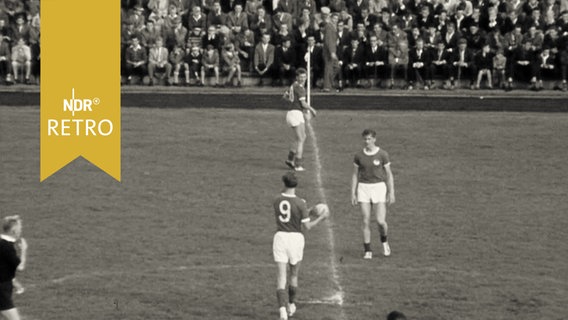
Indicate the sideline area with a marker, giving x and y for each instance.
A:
(352, 99)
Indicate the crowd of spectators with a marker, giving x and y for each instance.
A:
(19, 41)
(419, 43)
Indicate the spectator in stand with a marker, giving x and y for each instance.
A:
(337, 6)
(395, 37)
(366, 19)
(136, 58)
(261, 23)
(376, 60)
(282, 34)
(563, 62)
(512, 41)
(156, 16)
(484, 63)
(360, 33)
(237, 20)
(21, 30)
(345, 17)
(231, 64)
(535, 20)
(137, 18)
(180, 34)
(499, 67)
(562, 23)
(512, 22)
(309, 5)
(451, 38)
(386, 20)
(520, 65)
(442, 22)
(462, 64)
(244, 44)
(426, 18)
(179, 64)
(316, 60)
(160, 7)
(196, 19)
(535, 36)
(543, 66)
(210, 64)
(407, 22)
(458, 19)
(285, 59)
(493, 23)
(475, 38)
(380, 33)
(216, 17)
(355, 7)
(5, 62)
(343, 36)
(473, 19)
(464, 5)
(21, 60)
(413, 37)
(376, 6)
(330, 60)
(195, 62)
(398, 60)
(158, 61)
(419, 62)
(287, 6)
(211, 38)
(440, 64)
(149, 34)
(251, 8)
(279, 19)
(353, 63)
(172, 18)
(264, 59)
(431, 38)
(529, 6)
(194, 39)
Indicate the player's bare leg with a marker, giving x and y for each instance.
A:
(293, 288)
(366, 228)
(11, 314)
(281, 289)
(300, 132)
(381, 214)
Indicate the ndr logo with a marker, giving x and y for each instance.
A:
(79, 105)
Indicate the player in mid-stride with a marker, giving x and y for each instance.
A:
(288, 245)
(372, 186)
(296, 117)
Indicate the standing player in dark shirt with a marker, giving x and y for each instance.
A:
(291, 214)
(10, 261)
(298, 109)
(372, 187)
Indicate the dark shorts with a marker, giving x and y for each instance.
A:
(6, 302)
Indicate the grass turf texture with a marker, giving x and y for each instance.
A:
(478, 230)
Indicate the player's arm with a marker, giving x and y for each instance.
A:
(309, 223)
(23, 246)
(306, 106)
(354, 182)
(390, 184)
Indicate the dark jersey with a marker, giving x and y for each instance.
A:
(372, 166)
(294, 94)
(290, 212)
(9, 261)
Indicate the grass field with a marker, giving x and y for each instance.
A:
(479, 230)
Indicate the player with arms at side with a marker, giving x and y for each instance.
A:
(372, 186)
(292, 215)
(299, 109)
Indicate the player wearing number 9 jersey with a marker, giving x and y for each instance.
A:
(292, 214)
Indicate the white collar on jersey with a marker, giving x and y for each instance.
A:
(288, 195)
(7, 238)
(371, 153)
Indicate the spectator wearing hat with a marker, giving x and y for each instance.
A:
(21, 60)
(137, 18)
(462, 64)
(210, 64)
(158, 61)
(216, 17)
(231, 64)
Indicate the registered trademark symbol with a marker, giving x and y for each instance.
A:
(96, 101)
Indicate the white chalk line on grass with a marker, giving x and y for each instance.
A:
(338, 296)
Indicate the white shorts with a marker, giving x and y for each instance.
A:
(288, 247)
(372, 192)
(294, 118)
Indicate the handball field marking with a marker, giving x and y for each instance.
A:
(338, 296)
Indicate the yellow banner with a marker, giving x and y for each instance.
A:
(80, 84)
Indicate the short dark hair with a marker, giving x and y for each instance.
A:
(301, 71)
(290, 180)
(396, 315)
(9, 222)
(369, 132)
